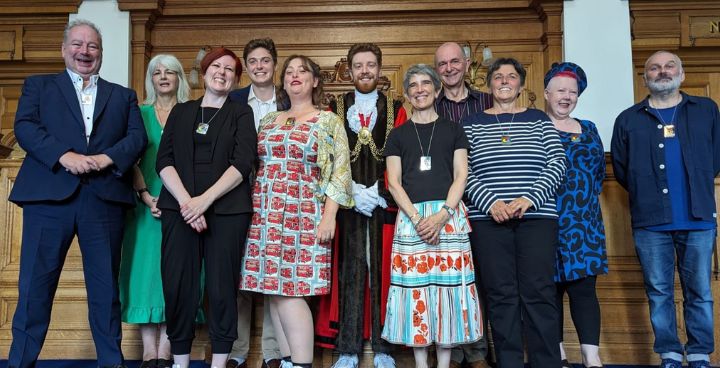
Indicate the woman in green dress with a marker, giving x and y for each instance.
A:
(141, 293)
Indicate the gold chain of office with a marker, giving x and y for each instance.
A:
(377, 153)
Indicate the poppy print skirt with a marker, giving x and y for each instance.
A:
(432, 297)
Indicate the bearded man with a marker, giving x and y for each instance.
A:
(355, 310)
(666, 154)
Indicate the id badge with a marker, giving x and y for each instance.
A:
(202, 128)
(425, 163)
(86, 99)
(669, 131)
(505, 139)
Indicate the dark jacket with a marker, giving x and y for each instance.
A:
(235, 143)
(241, 95)
(638, 159)
(49, 123)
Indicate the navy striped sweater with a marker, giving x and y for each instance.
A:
(530, 165)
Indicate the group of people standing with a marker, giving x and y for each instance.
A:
(411, 229)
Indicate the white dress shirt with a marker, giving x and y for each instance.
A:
(261, 108)
(86, 98)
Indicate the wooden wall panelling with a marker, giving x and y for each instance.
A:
(11, 47)
(9, 97)
(37, 51)
(44, 7)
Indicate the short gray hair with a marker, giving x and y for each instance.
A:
(81, 22)
(675, 56)
(172, 63)
(423, 69)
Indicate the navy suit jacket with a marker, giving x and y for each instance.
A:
(241, 95)
(48, 123)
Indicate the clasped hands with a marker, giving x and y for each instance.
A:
(429, 227)
(501, 211)
(78, 164)
(193, 212)
(367, 198)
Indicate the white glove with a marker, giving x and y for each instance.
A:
(357, 188)
(380, 200)
(366, 203)
(358, 197)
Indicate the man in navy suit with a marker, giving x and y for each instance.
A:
(82, 135)
(260, 58)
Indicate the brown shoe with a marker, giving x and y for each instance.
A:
(272, 363)
(479, 364)
(454, 364)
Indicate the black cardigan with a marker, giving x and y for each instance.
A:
(234, 143)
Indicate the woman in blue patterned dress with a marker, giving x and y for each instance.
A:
(581, 252)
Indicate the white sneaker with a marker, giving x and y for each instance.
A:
(346, 361)
(284, 364)
(383, 360)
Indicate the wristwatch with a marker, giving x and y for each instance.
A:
(449, 209)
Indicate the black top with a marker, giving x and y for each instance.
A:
(202, 143)
(233, 142)
(431, 184)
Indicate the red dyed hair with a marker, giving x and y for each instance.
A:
(566, 73)
(217, 53)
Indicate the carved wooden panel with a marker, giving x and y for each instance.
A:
(700, 28)
(9, 96)
(11, 46)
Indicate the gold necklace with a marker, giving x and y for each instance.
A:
(505, 134)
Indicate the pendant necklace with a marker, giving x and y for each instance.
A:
(505, 133)
(291, 120)
(574, 136)
(668, 127)
(203, 127)
(425, 160)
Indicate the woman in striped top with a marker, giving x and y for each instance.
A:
(516, 162)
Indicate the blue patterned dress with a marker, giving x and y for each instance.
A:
(581, 247)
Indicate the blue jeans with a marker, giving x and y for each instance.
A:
(656, 251)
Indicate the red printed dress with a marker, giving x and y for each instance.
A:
(300, 164)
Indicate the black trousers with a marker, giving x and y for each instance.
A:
(584, 308)
(517, 260)
(355, 279)
(220, 247)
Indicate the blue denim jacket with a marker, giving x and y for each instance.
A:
(639, 161)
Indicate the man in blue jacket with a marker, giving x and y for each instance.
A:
(82, 136)
(666, 153)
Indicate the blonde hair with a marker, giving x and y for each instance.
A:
(172, 63)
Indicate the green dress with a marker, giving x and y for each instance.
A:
(141, 293)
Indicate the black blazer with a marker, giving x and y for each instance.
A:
(234, 143)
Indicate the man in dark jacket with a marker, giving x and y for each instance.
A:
(82, 136)
(666, 153)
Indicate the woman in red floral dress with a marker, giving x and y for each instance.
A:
(303, 178)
